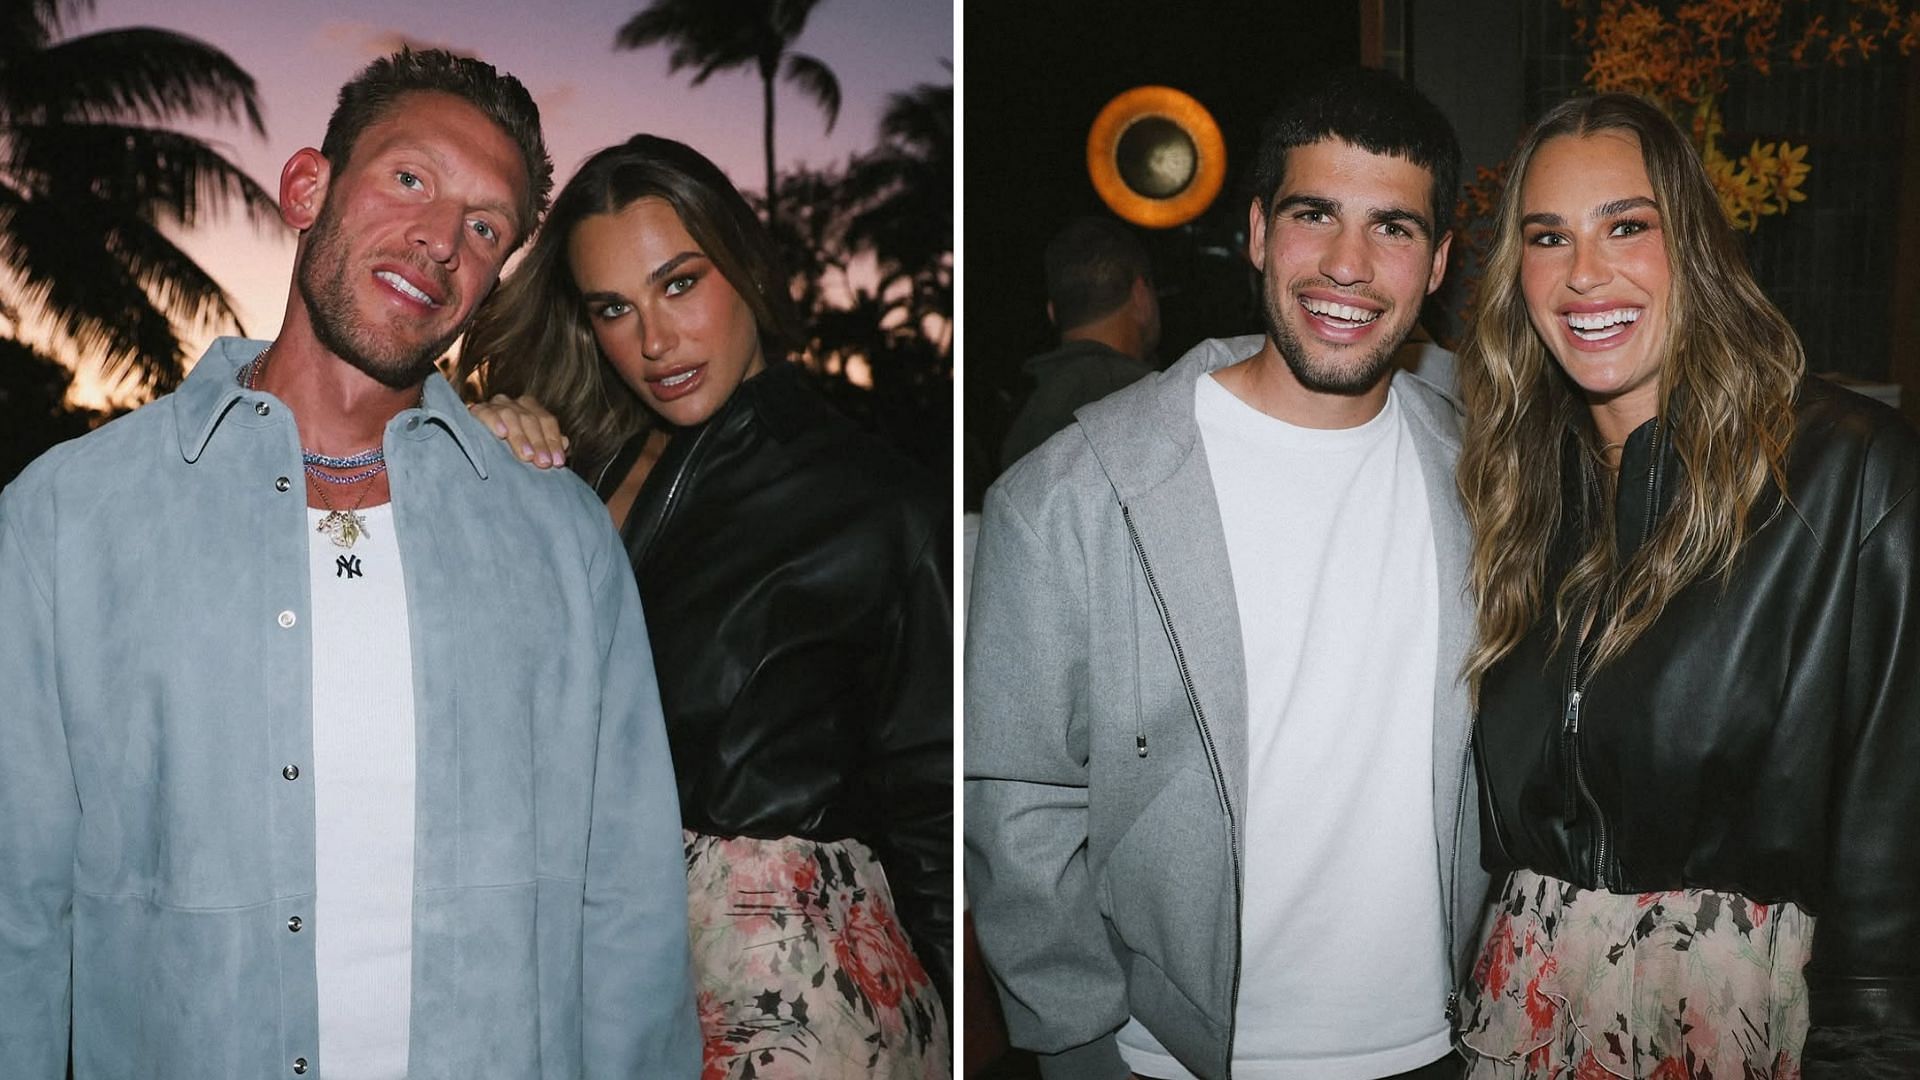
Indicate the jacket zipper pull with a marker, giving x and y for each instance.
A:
(1140, 744)
(1569, 733)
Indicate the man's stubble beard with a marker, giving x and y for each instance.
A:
(1345, 380)
(322, 277)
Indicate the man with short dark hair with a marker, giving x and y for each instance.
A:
(331, 743)
(1218, 817)
(1100, 297)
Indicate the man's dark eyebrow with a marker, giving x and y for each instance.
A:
(603, 297)
(671, 265)
(1310, 202)
(1402, 217)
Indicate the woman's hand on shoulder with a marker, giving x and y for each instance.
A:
(527, 428)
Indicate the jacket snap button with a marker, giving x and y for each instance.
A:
(262, 408)
(299, 1066)
(291, 772)
(282, 484)
(294, 924)
(286, 620)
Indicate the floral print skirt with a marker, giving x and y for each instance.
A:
(1574, 984)
(801, 968)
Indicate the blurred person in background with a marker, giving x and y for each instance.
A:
(1100, 297)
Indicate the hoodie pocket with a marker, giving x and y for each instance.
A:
(1167, 888)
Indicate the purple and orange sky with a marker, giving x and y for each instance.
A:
(589, 94)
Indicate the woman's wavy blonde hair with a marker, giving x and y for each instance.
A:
(532, 335)
(1727, 382)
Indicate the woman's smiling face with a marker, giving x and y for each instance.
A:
(671, 324)
(1594, 268)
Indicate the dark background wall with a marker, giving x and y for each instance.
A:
(1036, 75)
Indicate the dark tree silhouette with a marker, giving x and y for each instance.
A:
(710, 36)
(88, 177)
(894, 205)
(902, 193)
(33, 401)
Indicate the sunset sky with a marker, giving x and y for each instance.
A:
(589, 94)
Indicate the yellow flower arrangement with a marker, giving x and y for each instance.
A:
(1680, 55)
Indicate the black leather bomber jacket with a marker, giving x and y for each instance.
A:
(1762, 738)
(795, 575)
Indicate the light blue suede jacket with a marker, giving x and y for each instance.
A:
(156, 805)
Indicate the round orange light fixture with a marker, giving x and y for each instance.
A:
(1156, 156)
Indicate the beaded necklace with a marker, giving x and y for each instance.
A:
(343, 527)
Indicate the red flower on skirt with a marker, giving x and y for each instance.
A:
(1491, 971)
(1541, 1009)
(1591, 1069)
(715, 1046)
(871, 952)
(1671, 1069)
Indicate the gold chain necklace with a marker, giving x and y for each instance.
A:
(343, 527)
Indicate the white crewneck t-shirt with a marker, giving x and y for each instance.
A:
(363, 785)
(1343, 965)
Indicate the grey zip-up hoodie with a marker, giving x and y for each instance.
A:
(1106, 729)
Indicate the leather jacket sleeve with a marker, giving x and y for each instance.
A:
(1864, 978)
(910, 765)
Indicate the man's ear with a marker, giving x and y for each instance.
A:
(303, 187)
(1257, 235)
(1141, 300)
(1439, 271)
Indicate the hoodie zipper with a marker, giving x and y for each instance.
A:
(1453, 879)
(1213, 764)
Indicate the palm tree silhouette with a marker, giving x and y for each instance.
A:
(718, 35)
(88, 179)
(902, 199)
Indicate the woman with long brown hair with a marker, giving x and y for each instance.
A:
(1698, 657)
(795, 578)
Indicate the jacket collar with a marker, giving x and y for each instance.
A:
(771, 401)
(772, 398)
(212, 388)
(1140, 456)
(1643, 492)
(1647, 466)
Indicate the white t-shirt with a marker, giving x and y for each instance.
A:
(1343, 964)
(363, 781)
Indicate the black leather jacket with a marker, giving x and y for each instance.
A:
(1762, 738)
(795, 575)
